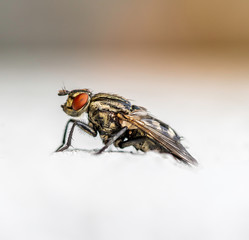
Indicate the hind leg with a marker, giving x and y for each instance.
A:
(140, 143)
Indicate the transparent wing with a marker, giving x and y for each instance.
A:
(161, 133)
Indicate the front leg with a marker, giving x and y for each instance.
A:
(83, 126)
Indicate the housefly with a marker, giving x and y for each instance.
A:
(120, 123)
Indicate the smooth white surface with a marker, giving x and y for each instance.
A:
(76, 195)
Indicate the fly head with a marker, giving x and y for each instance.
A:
(77, 102)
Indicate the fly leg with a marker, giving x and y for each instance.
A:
(113, 139)
(82, 126)
(142, 143)
(65, 134)
(132, 142)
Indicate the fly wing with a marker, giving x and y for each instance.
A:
(160, 133)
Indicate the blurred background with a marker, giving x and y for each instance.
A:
(186, 61)
(136, 23)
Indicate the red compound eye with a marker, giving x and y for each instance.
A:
(79, 101)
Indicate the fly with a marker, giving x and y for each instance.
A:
(120, 123)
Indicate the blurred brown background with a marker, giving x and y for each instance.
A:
(130, 22)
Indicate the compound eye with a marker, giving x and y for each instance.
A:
(79, 101)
